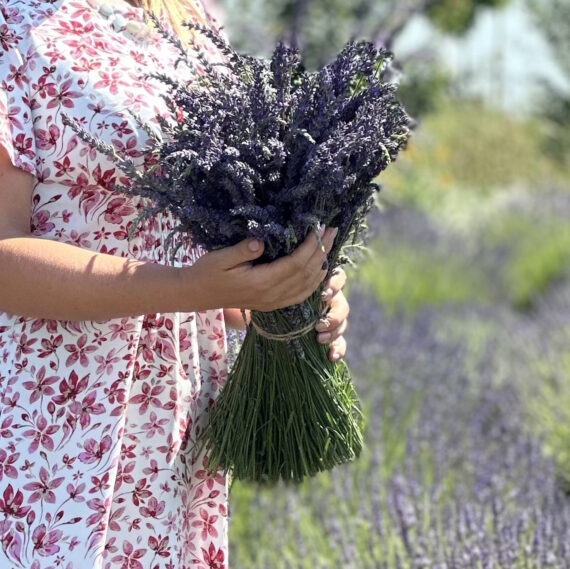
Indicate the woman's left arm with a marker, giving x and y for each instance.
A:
(329, 330)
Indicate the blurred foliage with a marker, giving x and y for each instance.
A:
(537, 254)
(321, 27)
(407, 278)
(424, 88)
(457, 16)
(555, 108)
(466, 144)
(546, 390)
(553, 17)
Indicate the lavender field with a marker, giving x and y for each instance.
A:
(459, 341)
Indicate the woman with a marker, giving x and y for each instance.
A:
(109, 356)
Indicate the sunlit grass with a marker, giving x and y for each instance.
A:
(537, 254)
(467, 145)
(406, 278)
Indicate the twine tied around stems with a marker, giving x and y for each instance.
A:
(293, 335)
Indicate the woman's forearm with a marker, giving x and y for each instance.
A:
(53, 280)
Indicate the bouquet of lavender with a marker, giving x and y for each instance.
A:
(262, 148)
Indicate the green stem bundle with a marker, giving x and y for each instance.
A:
(286, 411)
(283, 415)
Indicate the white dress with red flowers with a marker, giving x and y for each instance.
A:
(97, 418)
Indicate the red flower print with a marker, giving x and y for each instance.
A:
(24, 346)
(40, 223)
(111, 80)
(79, 239)
(73, 27)
(155, 425)
(47, 139)
(141, 492)
(6, 462)
(70, 388)
(207, 524)
(11, 504)
(94, 412)
(123, 329)
(149, 396)
(106, 363)
(100, 507)
(41, 386)
(218, 336)
(217, 378)
(153, 508)
(46, 542)
(87, 407)
(124, 474)
(122, 128)
(41, 435)
(50, 345)
(62, 95)
(106, 179)
(42, 489)
(75, 491)
(130, 557)
(152, 470)
(159, 545)
(213, 558)
(170, 449)
(94, 451)
(17, 75)
(78, 352)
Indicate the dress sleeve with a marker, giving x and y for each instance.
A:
(16, 129)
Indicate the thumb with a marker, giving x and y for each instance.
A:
(242, 252)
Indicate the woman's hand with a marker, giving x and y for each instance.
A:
(226, 278)
(331, 329)
(336, 317)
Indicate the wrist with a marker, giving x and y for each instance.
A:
(234, 318)
(192, 292)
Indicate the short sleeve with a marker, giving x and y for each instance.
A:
(16, 129)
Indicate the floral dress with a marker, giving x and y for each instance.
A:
(98, 419)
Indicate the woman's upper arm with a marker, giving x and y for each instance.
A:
(16, 187)
(17, 139)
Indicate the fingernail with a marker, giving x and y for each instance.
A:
(322, 230)
(324, 338)
(254, 245)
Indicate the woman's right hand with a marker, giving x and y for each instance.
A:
(227, 279)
